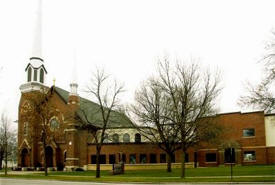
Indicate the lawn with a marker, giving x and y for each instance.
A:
(257, 173)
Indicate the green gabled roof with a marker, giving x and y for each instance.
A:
(91, 109)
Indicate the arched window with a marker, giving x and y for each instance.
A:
(41, 76)
(126, 138)
(115, 138)
(106, 139)
(137, 138)
(35, 75)
(29, 74)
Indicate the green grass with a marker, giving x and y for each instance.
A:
(190, 172)
(257, 173)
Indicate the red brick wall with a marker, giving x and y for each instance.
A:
(270, 155)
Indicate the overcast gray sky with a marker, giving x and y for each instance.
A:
(126, 37)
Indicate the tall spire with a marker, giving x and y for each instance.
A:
(73, 83)
(35, 70)
(37, 39)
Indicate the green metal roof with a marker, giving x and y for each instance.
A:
(92, 110)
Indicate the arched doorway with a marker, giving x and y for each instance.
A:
(49, 156)
(24, 158)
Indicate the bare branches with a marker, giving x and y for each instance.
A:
(7, 140)
(258, 97)
(261, 95)
(106, 95)
(174, 103)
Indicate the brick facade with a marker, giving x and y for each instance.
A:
(70, 146)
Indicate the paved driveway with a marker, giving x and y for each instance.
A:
(5, 181)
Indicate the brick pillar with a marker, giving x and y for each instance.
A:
(238, 156)
(72, 157)
(221, 156)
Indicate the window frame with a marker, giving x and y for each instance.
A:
(249, 152)
(207, 157)
(135, 157)
(115, 138)
(153, 158)
(34, 74)
(112, 158)
(126, 138)
(137, 138)
(248, 129)
(142, 158)
(41, 76)
(29, 79)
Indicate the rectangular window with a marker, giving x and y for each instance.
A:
(132, 159)
(112, 159)
(29, 74)
(249, 156)
(173, 160)
(35, 75)
(153, 158)
(162, 158)
(93, 159)
(186, 158)
(124, 158)
(142, 158)
(26, 125)
(229, 155)
(249, 132)
(102, 159)
(210, 157)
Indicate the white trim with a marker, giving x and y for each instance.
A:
(25, 141)
(31, 86)
(72, 159)
(70, 130)
(252, 147)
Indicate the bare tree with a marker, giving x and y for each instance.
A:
(261, 95)
(7, 137)
(192, 93)
(152, 109)
(105, 92)
(42, 110)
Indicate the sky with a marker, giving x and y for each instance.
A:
(125, 37)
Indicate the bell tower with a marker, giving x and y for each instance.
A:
(35, 69)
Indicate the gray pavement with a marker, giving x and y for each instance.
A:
(4, 181)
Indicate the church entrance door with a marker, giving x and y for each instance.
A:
(49, 156)
(24, 158)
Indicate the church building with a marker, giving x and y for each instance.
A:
(69, 145)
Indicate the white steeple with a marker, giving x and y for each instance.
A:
(37, 39)
(73, 83)
(35, 70)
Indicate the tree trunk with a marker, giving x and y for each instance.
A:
(1, 158)
(183, 164)
(169, 161)
(97, 162)
(6, 158)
